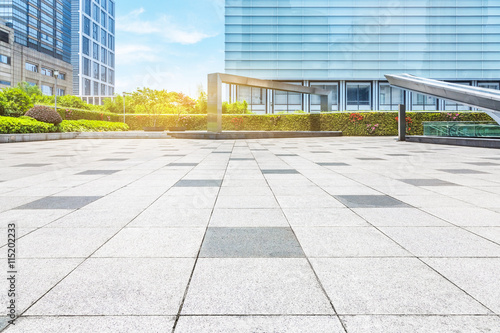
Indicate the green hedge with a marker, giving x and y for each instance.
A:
(77, 114)
(351, 124)
(10, 125)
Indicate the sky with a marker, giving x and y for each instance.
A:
(168, 44)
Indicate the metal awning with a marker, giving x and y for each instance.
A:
(487, 100)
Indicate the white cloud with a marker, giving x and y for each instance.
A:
(162, 26)
(135, 53)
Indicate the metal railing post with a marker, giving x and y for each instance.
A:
(402, 123)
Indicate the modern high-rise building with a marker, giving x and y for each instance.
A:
(348, 46)
(93, 53)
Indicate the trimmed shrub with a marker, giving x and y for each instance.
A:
(11, 125)
(91, 126)
(44, 114)
(14, 102)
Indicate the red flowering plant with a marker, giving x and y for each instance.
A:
(409, 124)
(372, 128)
(69, 114)
(452, 116)
(237, 123)
(356, 118)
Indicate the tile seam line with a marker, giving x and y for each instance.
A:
(88, 257)
(414, 256)
(318, 281)
(186, 290)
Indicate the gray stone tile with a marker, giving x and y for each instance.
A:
(108, 324)
(491, 233)
(248, 218)
(280, 172)
(182, 164)
(400, 217)
(327, 164)
(398, 155)
(421, 324)
(241, 159)
(427, 182)
(255, 286)
(166, 216)
(31, 165)
(114, 159)
(322, 242)
(31, 218)
(482, 163)
(463, 171)
(369, 201)
(59, 203)
(287, 155)
(152, 287)
(323, 217)
(251, 201)
(248, 324)
(477, 276)
(398, 286)
(467, 217)
(250, 243)
(98, 172)
(370, 159)
(198, 183)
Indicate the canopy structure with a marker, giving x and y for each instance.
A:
(216, 80)
(487, 100)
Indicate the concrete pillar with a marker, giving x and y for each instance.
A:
(214, 110)
(402, 122)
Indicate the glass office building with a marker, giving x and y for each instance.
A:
(348, 46)
(42, 25)
(93, 58)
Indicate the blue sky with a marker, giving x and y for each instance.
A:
(170, 44)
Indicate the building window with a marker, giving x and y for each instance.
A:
(111, 26)
(95, 31)
(104, 55)
(112, 59)
(261, 95)
(103, 90)
(5, 83)
(111, 42)
(96, 13)
(111, 8)
(358, 96)
(96, 88)
(104, 74)
(47, 90)
(390, 98)
(86, 7)
(103, 18)
(31, 67)
(489, 85)
(4, 59)
(423, 102)
(85, 46)
(86, 26)
(86, 66)
(4, 37)
(104, 37)
(62, 76)
(333, 100)
(96, 71)
(104, 4)
(95, 51)
(61, 92)
(451, 106)
(86, 87)
(47, 72)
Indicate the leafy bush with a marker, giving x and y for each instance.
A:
(10, 125)
(235, 108)
(44, 114)
(14, 102)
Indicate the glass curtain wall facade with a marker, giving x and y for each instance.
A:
(43, 25)
(93, 58)
(350, 45)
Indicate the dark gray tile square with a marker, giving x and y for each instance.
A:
(182, 164)
(321, 152)
(114, 159)
(198, 183)
(369, 201)
(221, 152)
(370, 159)
(463, 171)
(347, 149)
(23, 152)
(398, 155)
(258, 149)
(332, 164)
(59, 203)
(97, 172)
(286, 155)
(427, 182)
(31, 165)
(241, 159)
(483, 163)
(280, 172)
(251, 243)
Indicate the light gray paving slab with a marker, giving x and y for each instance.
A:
(491, 233)
(467, 217)
(94, 219)
(254, 201)
(252, 324)
(153, 243)
(477, 276)
(152, 287)
(255, 286)
(421, 324)
(399, 217)
(248, 218)
(305, 202)
(164, 216)
(369, 201)
(442, 242)
(347, 242)
(97, 172)
(108, 324)
(323, 217)
(31, 218)
(427, 182)
(399, 286)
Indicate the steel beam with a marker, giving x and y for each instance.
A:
(484, 99)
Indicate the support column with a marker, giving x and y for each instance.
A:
(214, 107)
(402, 122)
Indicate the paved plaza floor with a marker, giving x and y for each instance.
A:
(322, 235)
